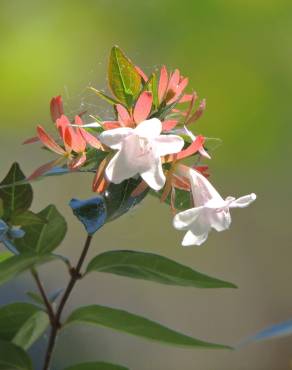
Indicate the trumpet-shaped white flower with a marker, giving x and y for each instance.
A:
(139, 152)
(210, 211)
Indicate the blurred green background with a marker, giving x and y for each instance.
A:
(238, 54)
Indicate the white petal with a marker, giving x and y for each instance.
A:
(117, 170)
(169, 144)
(183, 220)
(154, 177)
(203, 191)
(193, 239)
(150, 128)
(243, 201)
(221, 220)
(113, 138)
(124, 165)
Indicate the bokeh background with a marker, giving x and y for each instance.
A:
(238, 54)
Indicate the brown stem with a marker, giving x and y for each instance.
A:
(56, 324)
(46, 301)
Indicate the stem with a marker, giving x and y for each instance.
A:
(44, 295)
(56, 324)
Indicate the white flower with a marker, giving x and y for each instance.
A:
(210, 211)
(139, 152)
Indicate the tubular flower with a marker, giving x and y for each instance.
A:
(139, 152)
(210, 211)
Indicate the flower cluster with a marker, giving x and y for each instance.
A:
(148, 139)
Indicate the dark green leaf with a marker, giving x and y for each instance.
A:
(44, 238)
(15, 197)
(26, 218)
(124, 80)
(96, 366)
(149, 266)
(13, 357)
(136, 325)
(90, 212)
(118, 198)
(13, 317)
(1, 208)
(12, 266)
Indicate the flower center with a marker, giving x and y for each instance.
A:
(144, 146)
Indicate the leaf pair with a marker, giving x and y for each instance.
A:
(151, 267)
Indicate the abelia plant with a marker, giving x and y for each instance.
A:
(141, 151)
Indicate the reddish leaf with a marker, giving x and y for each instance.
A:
(173, 84)
(179, 89)
(141, 73)
(62, 123)
(56, 108)
(139, 189)
(202, 170)
(32, 140)
(44, 168)
(78, 161)
(49, 142)
(181, 182)
(99, 181)
(90, 139)
(163, 82)
(109, 125)
(143, 106)
(197, 113)
(169, 125)
(194, 147)
(124, 116)
(186, 98)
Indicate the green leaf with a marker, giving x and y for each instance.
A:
(104, 96)
(1, 208)
(22, 323)
(124, 80)
(149, 266)
(151, 85)
(32, 330)
(182, 199)
(13, 358)
(15, 197)
(11, 267)
(96, 366)
(118, 198)
(5, 255)
(35, 298)
(44, 238)
(26, 218)
(13, 317)
(135, 325)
